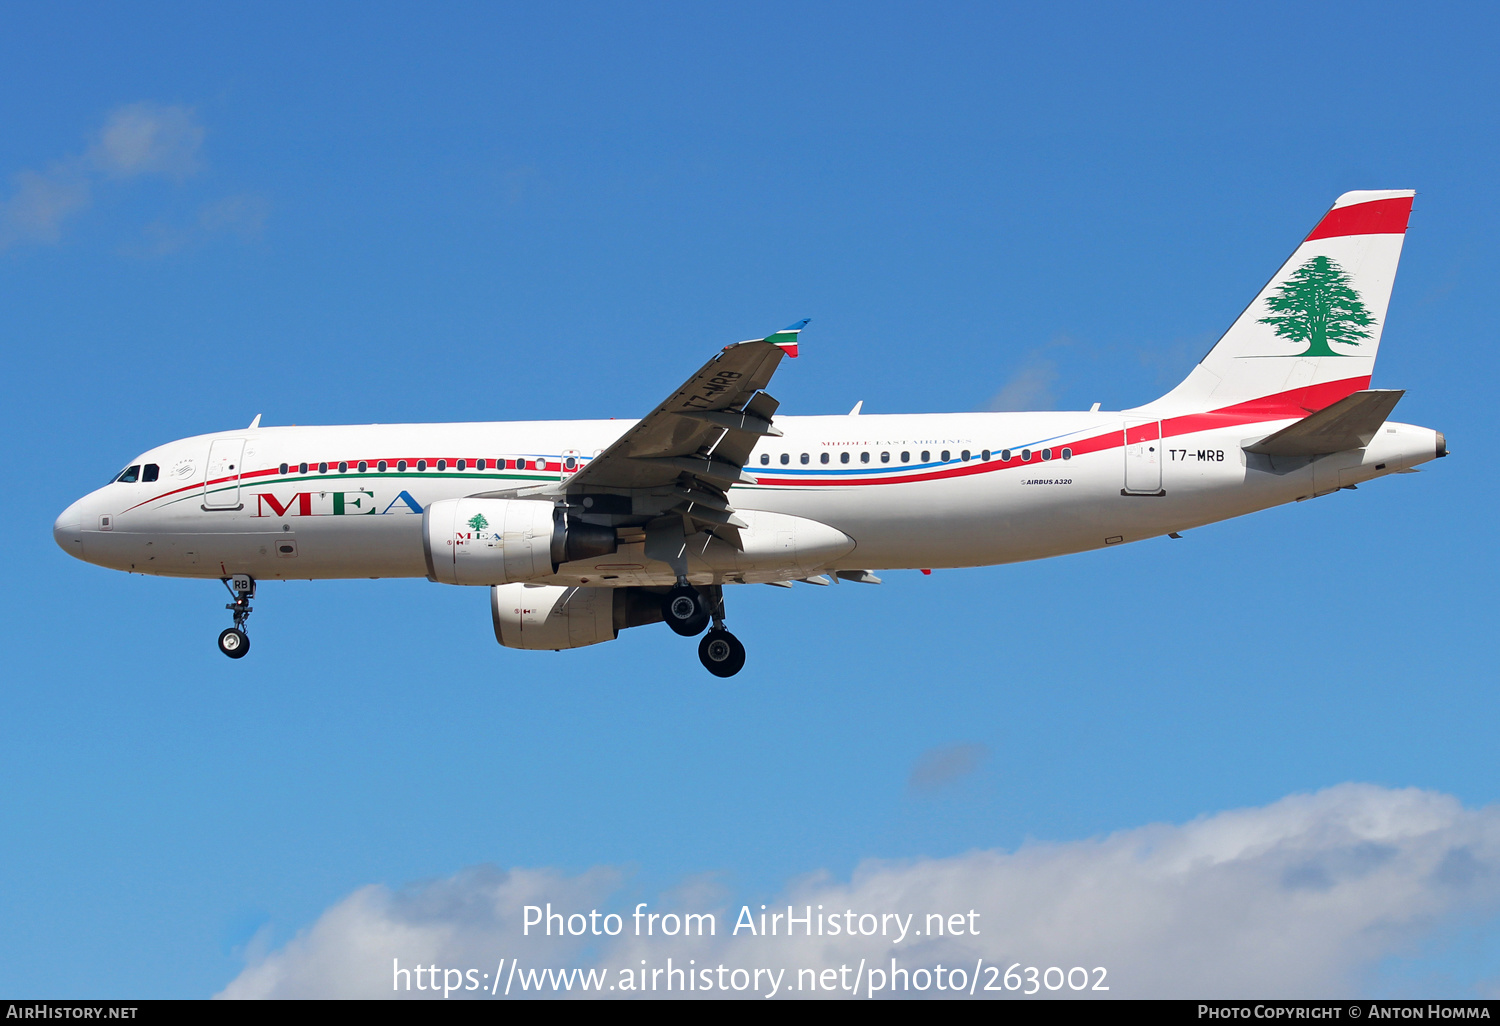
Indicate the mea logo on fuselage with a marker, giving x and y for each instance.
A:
(332, 504)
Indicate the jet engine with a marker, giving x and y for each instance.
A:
(546, 616)
(500, 541)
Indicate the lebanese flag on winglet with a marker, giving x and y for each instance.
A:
(1366, 213)
(786, 338)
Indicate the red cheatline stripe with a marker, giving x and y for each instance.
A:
(1377, 217)
(1296, 403)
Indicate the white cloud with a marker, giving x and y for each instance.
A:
(347, 953)
(243, 215)
(39, 203)
(1030, 387)
(945, 764)
(137, 139)
(1303, 897)
(149, 138)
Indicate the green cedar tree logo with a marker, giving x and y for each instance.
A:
(1318, 305)
(478, 523)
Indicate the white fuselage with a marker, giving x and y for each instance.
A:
(899, 486)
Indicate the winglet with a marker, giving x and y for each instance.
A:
(786, 338)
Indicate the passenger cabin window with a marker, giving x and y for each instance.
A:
(964, 455)
(479, 464)
(302, 468)
(363, 466)
(1067, 453)
(765, 459)
(381, 466)
(462, 464)
(947, 455)
(926, 455)
(284, 469)
(401, 466)
(1025, 455)
(1004, 455)
(843, 457)
(786, 458)
(905, 456)
(442, 464)
(151, 471)
(805, 457)
(322, 468)
(421, 464)
(130, 475)
(885, 457)
(343, 467)
(1046, 454)
(985, 455)
(864, 457)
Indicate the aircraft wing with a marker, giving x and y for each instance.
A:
(1349, 423)
(702, 435)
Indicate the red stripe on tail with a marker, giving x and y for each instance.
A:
(1377, 217)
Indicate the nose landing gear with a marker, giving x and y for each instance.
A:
(234, 642)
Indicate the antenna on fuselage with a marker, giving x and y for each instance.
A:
(254, 423)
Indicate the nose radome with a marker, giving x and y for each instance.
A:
(67, 531)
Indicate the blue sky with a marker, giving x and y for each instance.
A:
(397, 213)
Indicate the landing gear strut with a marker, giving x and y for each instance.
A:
(720, 652)
(234, 642)
(688, 610)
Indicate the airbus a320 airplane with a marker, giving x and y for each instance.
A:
(582, 528)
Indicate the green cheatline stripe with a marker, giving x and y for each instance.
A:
(425, 475)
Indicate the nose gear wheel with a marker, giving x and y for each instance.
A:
(234, 643)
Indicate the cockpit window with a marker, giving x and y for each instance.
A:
(130, 475)
(149, 472)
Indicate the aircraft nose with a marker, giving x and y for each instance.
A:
(67, 531)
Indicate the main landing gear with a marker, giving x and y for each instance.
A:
(234, 642)
(688, 610)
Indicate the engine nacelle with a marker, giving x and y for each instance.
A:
(500, 541)
(546, 616)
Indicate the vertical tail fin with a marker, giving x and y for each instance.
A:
(1310, 337)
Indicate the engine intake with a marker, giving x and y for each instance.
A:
(502, 541)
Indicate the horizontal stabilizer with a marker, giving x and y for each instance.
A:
(1349, 423)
